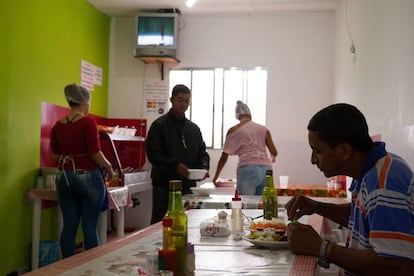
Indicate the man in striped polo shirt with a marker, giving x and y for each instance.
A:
(380, 217)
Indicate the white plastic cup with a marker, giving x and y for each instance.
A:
(50, 181)
(283, 179)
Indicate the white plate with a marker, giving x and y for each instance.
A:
(49, 171)
(226, 183)
(267, 244)
(202, 191)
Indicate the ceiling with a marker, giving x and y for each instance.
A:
(214, 7)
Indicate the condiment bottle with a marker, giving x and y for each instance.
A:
(167, 254)
(269, 197)
(236, 217)
(179, 226)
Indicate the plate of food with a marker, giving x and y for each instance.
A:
(268, 233)
(267, 244)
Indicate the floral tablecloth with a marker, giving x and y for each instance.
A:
(214, 256)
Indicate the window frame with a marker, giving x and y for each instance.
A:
(219, 109)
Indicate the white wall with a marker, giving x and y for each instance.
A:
(380, 82)
(297, 50)
(126, 76)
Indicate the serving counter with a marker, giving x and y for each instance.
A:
(118, 198)
(213, 255)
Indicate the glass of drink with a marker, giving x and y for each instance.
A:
(284, 179)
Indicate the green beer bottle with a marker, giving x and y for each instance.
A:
(269, 197)
(179, 226)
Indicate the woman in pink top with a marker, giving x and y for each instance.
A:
(250, 141)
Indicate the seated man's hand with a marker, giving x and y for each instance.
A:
(303, 239)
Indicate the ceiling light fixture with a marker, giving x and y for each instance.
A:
(190, 3)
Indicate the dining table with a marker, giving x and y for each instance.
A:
(213, 255)
(209, 196)
(291, 189)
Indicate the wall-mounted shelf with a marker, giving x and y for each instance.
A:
(160, 61)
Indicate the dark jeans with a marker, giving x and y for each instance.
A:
(160, 194)
(80, 198)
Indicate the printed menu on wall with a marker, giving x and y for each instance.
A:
(155, 98)
(90, 75)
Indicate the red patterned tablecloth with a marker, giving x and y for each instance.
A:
(310, 190)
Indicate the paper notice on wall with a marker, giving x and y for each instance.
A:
(90, 75)
(155, 98)
(97, 77)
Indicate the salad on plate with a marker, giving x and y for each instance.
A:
(267, 231)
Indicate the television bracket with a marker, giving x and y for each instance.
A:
(160, 61)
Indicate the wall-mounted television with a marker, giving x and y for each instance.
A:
(156, 35)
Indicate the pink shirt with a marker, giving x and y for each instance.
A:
(248, 142)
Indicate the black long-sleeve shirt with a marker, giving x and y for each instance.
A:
(171, 141)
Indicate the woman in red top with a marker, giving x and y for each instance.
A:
(81, 182)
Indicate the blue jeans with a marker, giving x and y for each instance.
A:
(251, 179)
(80, 197)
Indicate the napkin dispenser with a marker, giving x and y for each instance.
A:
(215, 227)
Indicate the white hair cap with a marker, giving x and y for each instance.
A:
(76, 94)
(242, 109)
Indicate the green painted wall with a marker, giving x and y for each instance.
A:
(41, 47)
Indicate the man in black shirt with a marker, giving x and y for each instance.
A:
(174, 145)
